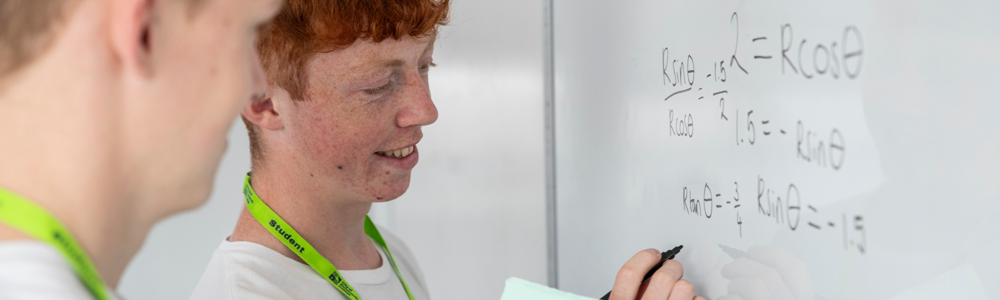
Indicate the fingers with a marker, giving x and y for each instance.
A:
(629, 277)
(682, 291)
(666, 281)
(642, 288)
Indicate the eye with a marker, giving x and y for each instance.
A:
(427, 66)
(382, 89)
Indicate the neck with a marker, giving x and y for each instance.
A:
(62, 148)
(333, 226)
(62, 151)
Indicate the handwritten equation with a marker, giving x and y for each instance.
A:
(789, 52)
(840, 58)
(833, 58)
(784, 205)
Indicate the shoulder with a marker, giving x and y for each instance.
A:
(245, 270)
(396, 245)
(33, 270)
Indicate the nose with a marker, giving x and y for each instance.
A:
(418, 108)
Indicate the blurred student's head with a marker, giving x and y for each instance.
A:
(154, 85)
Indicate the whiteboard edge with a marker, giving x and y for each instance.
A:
(550, 145)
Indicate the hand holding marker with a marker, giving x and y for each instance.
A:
(670, 254)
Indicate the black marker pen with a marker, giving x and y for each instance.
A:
(664, 256)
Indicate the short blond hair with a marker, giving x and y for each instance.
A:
(27, 30)
(29, 27)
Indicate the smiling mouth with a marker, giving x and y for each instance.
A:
(401, 153)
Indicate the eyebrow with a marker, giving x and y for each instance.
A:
(394, 63)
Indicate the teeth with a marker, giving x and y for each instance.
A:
(401, 153)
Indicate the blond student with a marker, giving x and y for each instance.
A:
(113, 116)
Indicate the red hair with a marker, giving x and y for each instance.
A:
(304, 28)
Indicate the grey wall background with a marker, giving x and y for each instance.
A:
(475, 211)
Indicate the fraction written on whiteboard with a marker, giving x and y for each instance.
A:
(841, 58)
(784, 206)
(804, 57)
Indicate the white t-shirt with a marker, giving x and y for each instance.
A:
(246, 270)
(34, 270)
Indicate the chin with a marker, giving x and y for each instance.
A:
(194, 191)
(195, 196)
(391, 192)
(386, 197)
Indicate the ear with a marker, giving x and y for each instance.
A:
(263, 111)
(131, 38)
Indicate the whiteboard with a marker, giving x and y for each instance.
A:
(797, 149)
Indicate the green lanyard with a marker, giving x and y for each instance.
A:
(34, 220)
(284, 232)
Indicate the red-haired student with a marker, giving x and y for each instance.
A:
(337, 131)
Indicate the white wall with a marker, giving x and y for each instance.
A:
(474, 214)
(475, 211)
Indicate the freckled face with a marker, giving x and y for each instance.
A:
(360, 124)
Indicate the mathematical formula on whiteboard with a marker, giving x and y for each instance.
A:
(755, 133)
